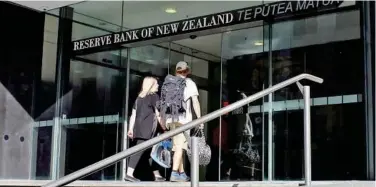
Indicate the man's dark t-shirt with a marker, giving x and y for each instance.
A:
(145, 124)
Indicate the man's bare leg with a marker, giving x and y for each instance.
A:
(183, 175)
(176, 163)
(177, 160)
(181, 167)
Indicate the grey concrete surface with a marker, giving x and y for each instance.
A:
(25, 183)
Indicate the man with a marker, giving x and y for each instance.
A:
(179, 141)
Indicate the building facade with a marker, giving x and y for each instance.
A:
(69, 80)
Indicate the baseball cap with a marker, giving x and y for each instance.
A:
(182, 66)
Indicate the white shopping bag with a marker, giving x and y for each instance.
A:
(161, 153)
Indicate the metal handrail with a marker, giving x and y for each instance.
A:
(147, 144)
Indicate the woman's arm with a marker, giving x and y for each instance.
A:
(157, 114)
(132, 120)
(155, 100)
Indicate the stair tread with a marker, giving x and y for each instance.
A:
(32, 183)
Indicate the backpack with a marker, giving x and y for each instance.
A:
(172, 104)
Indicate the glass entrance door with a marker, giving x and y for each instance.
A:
(245, 62)
(92, 112)
(327, 46)
(256, 58)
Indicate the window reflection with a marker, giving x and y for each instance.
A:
(91, 117)
(327, 46)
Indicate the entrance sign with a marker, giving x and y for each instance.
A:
(271, 11)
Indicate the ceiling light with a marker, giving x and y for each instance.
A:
(170, 10)
(259, 43)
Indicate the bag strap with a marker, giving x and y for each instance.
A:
(199, 133)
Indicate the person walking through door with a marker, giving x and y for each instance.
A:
(185, 91)
(143, 125)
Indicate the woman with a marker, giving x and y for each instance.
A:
(143, 125)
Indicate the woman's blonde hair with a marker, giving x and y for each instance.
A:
(147, 86)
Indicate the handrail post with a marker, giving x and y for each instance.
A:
(194, 162)
(307, 135)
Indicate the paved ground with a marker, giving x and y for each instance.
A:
(24, 183)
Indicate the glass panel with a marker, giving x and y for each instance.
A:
(92, 117)
(114, 59)
(328, 46)
(132, 13)
(97, 22)
(80, 31)
(245, 72)
(179, 53)
(106, 15)
(158, 12)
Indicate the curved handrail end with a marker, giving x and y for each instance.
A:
(313, 78)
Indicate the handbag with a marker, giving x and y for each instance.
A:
(203, 148)
(246, 154)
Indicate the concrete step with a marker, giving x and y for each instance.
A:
(35, 183)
